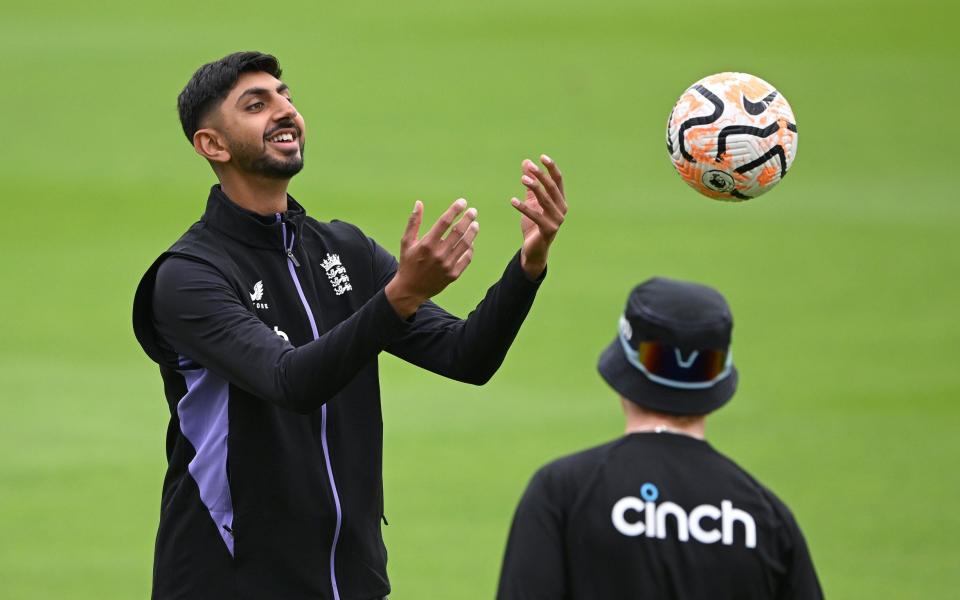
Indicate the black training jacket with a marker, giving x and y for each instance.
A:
(653, 515)
(267, 332)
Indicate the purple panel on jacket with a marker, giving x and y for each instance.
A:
(204, 422)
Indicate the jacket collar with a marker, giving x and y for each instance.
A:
(248, 227)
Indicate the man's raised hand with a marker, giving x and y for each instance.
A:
(429, 264)
(544, 209)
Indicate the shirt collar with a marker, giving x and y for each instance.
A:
(248, 227)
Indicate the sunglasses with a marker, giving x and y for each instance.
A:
(669, 366)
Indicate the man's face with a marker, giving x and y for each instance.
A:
(263, 131)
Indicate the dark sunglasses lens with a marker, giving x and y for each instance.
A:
(696, 366)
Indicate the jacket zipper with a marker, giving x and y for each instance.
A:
(292, 265)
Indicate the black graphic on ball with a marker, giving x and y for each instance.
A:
(717, 181)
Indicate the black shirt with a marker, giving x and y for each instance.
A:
(267, 333)
(653, 515)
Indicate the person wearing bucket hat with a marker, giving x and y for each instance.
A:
(658, 512)
(672, 351)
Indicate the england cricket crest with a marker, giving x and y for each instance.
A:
(337, 274)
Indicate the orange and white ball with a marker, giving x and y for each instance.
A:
(732, 136)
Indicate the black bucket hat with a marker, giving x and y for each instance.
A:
(672, 352)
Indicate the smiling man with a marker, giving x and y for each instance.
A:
(267, 325)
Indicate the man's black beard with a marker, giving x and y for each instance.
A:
(277, 169)
(256, 161)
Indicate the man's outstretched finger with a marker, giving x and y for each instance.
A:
(552, 189)
(460, 229)
(462, 263)
(466, 240)
(534, 215)
(543, 198)
(413, 225)
(446, 220)
(554, 171)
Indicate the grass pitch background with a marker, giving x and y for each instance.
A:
(842, 280)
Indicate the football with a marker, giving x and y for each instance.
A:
(732, 136)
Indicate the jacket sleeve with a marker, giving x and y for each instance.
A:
(534, 563)
(199, 315)
(468, 350)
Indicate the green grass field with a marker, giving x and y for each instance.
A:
(842, 280)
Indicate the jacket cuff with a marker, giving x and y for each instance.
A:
(516, 278)
(391, 324)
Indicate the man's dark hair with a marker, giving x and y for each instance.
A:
(213, 81)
